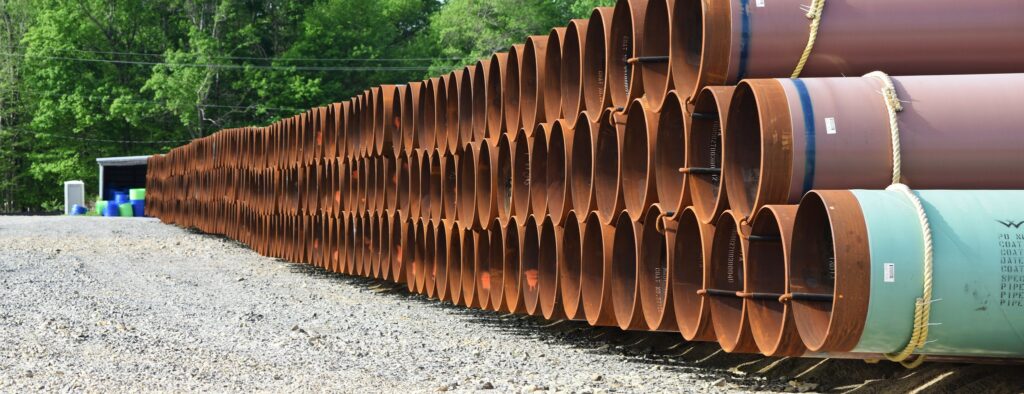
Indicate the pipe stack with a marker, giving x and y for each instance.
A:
(713, 168)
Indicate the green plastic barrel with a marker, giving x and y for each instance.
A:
(137, 194)
(100, 206)
(126, 210)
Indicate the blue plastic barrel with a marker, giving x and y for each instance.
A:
(112, 210)
(121, 198)
(139, 208)
(78, 210)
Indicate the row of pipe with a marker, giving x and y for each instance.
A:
(641, 169)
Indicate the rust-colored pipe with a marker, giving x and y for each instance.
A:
(596, 95)
(454, 270)
(371, 180)
(670, 154)
(766, 268)
(383, 184)
(539, 170)
(382, 270)
(482, 268)
(629, 314)
(442, 114)
(392, 267)
(727, 41)
(596, 271)
(533, 75)
(625, 79)
(393, 126)
(494, 283)
(391, 183)
(637, 167)
(467, 189)
(435, 182)
(480, 86)
(449, 187)
(581, 175)
(496, 86)
(571, 70)
(412, 115)
(607, 177)
(559, 169)
(371, 243)
(402, 187)
(467, 280)
(654, 271)
(704, 152)
(512, 274)
(465, 124)
(387, 122)
(787, 137)
(415, 187)
(513, 100)
(725, 285)
(529, 267)
(570, 267)
(521, 175)
(448, 139)
(430, 260)
(548, 269)
(429, 115)
(416, 241)
(355, 244)
(690, 256)
(503, 172)
(551, 85)
(486, 184)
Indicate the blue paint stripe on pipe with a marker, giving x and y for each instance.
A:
(744, 39)
(810, 148)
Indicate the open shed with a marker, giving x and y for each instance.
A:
(121, 174)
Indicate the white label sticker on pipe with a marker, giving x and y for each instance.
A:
(890, 272)
(759, 3)
(830, 125)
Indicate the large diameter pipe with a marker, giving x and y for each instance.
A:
(454, 271)
(571, 69)
(551, 85)
(418, 265)
(512, 101)
(467, 280)
(690, 257)
(403, 267)
(415, 177)
(482, 268)
(533, 76)
(704, 151)
(581, 179)
(857, 271)
(393, 125)
(480, 86)
(539, 169)
(787, 137)
(596, 271)
(766, 268)
(390, 119)
(393, 271)
(607, 176)
(559, 170)
(529, 266)
(449, 189)
(487, 195)
(412, 115)
(495, 94)
(596, 95)
(669, 154)
(521, 188)
(570, 267)
(548, 270)
(450, 139)
(427, 128)
(653, 56)
(503, 173)
(627, 37)
(403, 193)
(466, 112)
(636, 163)
(436, 185)
(512, 275)
(725, 283)
(494, 282)
(467, 188)
(724, 42)
(629, 314)
(654, 268)
(429, 272)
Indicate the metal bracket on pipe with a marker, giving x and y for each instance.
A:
(700, 170)
(818, 297)
(718, 293)
(758, 296)
(648, 59)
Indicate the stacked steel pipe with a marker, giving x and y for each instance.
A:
(637, 169)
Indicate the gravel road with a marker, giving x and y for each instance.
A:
(101, 304)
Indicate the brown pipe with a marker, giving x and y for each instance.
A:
(392, 267)
(418, 268)
(448, 139)
(430, 258)
(467, 189)
(627, 38)
(657, 242)
(581, 175)
(391, 182)
(724, 43)
(370, 244)
(596, 95)
(370, 182)
(725, 284)
(382, 270)
(596, 271)
(449, 187)
(402, 187)
(429, 115)
(570, 265)
(512, 101)
(441, 114)
(486, 184)
(551, 85)
(385, 121)
(415, 187)
(625, 290)
(480, 82)
(482, 268)
(440, 274)
(637, 166)
(512, 274)
(402, 264)
(495, 94)
(412, 115)
(548, 268)
(559, 171)
(704, 151)
(533, 75)
(571, 70)
(607, 177)
(393, 126)
(690, 256)
(494, 283)
(529, 267)
(435, 185)
(454, 270)
(503, 179)
(465, 124)
(781, 143)
(521, 174)
(382, 184)
(766, 268)
(467, 281)
(539, 169)
(355, 243)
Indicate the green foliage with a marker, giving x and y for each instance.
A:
(81, 79)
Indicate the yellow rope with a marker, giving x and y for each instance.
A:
(922, 308)
(893, 105)
(814, 14)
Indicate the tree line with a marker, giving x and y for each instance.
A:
(81, 79)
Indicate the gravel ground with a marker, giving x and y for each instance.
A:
(100, 304)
